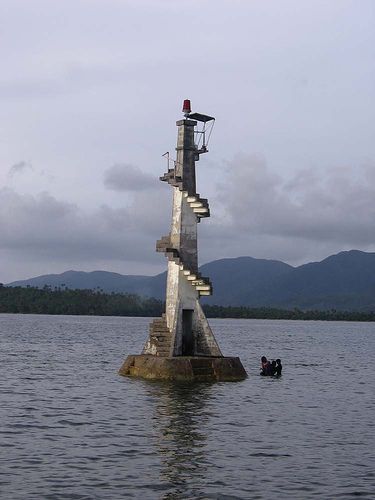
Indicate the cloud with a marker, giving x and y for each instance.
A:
(44, 228)
(294, 83)
(127, 177)
(19, 167)
(311, 214)
(336, 205)
(307, 216)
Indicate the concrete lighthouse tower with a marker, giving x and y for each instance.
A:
(181, 344)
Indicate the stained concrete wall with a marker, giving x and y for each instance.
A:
(185, 164)
(181, 294)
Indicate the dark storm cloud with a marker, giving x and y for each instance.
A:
(254, 212)
(315, 210)
(44, 227)
(127, 177)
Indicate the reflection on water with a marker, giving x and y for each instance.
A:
(179, 417)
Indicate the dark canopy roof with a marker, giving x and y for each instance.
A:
(200, 118)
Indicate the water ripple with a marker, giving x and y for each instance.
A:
(72, 429)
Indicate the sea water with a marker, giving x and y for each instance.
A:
(72, 428)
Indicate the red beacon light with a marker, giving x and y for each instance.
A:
(186, 108)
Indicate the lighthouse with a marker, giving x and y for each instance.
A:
(181, 344)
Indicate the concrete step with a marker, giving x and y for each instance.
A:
(159, 324)
(162, 345)
(159, 333)
(174, 257)
(191, 195)
(201, 284)
(158, 321)
(167, 175)
(159, 330)
(163, 244)
(160, 336)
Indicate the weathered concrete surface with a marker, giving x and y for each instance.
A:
(181, 344)
(184, 368)
(160, 340)
(185, 285)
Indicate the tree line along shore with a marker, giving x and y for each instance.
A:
(30, 300)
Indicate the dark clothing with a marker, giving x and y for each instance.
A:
(278, 369)
(268, 369)
(273, 368)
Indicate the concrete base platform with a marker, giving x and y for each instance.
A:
(183, 368)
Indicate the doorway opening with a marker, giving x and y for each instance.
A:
(187, 333)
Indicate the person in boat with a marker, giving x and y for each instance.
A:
(278, 367)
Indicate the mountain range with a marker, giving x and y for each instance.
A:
(345, 281)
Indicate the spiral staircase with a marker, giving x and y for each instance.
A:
(160, 337)
(181, 345)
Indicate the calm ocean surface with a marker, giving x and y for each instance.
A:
(71, 428)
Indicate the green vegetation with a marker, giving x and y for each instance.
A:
(272, 313)
(32, 300)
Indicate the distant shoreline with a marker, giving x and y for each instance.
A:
(30, 300)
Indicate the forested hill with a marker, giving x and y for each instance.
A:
(88, 302)
(344, 282)
(81, 302)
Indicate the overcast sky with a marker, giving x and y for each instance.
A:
(89, 94)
